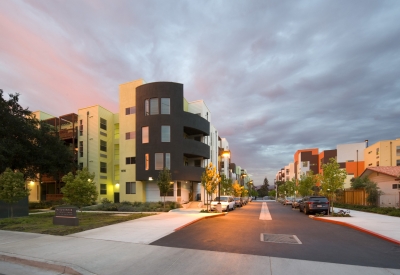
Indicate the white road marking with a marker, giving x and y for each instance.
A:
(265, 215)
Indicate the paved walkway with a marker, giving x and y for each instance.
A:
(122, 249)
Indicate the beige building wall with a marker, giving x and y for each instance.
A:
(127, 147)
(92, 157)
(383, 153)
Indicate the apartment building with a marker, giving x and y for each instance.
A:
(155, 127)
(351, 158)
(383, 153)
(306, 160)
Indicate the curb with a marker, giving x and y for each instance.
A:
(357, 228)
(62, 269)
(199, 219)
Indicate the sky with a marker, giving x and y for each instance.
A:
(277, 76)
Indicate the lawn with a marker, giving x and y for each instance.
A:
(43, 223)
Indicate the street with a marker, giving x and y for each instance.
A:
(240, 230)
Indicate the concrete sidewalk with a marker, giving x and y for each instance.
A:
(122, 249)
(381, 226)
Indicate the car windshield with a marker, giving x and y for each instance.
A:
(222, 199)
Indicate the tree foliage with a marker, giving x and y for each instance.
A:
(210, 179)
(80, 189)
(237, 189)
(164, 182)
(306, 184)
(27, 145)
(226, 185)
(332, 178)
(290, 187)
(12, 187)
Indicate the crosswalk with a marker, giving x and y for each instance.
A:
(265, 215)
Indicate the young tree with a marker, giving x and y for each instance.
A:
(164, 182)
(80, 189)
(306, 184)
(12, 188)
(373, 192)
(226, 185)
(210, 179)
(237, 189)
(272, 193)
(290, 187)
(332, 178)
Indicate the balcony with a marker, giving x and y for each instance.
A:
(193, 148)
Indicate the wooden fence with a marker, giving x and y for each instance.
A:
(358, 197)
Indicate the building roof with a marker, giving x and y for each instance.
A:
(393, 171)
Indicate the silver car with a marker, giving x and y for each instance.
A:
(227, 203)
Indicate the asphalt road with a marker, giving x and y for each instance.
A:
(240, 230)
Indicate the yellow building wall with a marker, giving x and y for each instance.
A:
(382, 153)
(127, 148)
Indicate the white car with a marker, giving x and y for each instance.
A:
(227, 203)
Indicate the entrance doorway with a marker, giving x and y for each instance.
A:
(116, 197)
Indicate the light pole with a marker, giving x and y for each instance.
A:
(224, 155)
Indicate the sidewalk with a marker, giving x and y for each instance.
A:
(381, 226)
(122, 249)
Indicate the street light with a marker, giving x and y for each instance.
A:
(224, 154)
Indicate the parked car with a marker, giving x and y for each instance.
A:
(245, 200)
(227, 203)
(287, 201)
(314, 204)
(238, 201)
(296, 202)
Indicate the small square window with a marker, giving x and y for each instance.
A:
(103, 145)
(103, 124)
(130, 110)
(131, 188)
(130, 160)
(103, 167)
(130, 135)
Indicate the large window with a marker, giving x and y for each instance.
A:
(130, 110)
(130, 160)
(159, 161)
(103, 167)
(81, 127)
(130, 135)
(103, 145)
(165, 133)
(103, 124)
(165, 106)
(103, 189)
(145, 134)
(154, 106)
(146, 107)
(168, 161)
(131, 187)
(397, 150)
(146, 162)
(81, 149)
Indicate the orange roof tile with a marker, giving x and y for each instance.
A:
(388, 170)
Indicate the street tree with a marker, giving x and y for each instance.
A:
(226, 185)
(290, 187)
(306, 183)
(164, 182)
(237, 189)
(373, 192)
(332, 178)
(210, 179)
(79, 189)
(12, 188)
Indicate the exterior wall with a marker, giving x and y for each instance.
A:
(351, 157)
(127, 147)
(40, 115)
(383, 153)
(92, 156)
(390, 197)
(305, 155)
(224, 145)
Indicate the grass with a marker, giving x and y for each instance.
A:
(43, 223)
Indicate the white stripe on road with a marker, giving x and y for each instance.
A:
(265, 215)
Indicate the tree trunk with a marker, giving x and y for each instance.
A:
(164, 202)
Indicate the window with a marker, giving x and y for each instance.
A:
(103, 133)
(81, 149)
(80, 165)
(103, 155)
(154, 106)
(168, 161)
(145, 134)
(377, 151)
(103, 167)
(81, 127)
(146, 162)
(131, 187)
(377, 163)
(165, 133)
(130, 135)
(159, 162)
(305, 163)
(165, 106)
(130, 160)
(146, 107)
(103, 189)
(397, 150)
(103, 145)
(398, 162)
(170, 192)
(103, 124)
(396, 186)
(130, 110)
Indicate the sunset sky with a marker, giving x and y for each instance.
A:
(277, 76)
